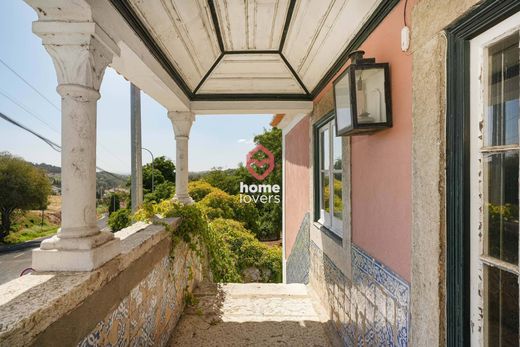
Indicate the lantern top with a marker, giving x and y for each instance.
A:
(356, 58)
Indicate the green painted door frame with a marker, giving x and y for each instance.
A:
(479, 19)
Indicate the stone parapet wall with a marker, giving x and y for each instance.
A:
(135, 299)
(372, 308)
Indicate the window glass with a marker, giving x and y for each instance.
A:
(338, 201)
(330, 178)
(325, 188)
(503, 93)
(337, 151)
(501, 193)
(501, 302)
(325, 150)
(342, 97)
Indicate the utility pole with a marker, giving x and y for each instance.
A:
(136, 153)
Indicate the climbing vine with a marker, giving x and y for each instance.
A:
(232, 249)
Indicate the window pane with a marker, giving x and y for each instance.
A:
(325, 191)
(370, 85)
(503, 93)
(501, 197)
(324, 149)
(501, 303)
(342, 97)
(337, 152)
(338, 202)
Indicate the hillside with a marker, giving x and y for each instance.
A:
(104, 180)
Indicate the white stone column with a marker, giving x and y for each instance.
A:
(181, 122)
(80, 51)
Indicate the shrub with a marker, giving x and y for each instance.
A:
(192, 219)
(113, 204)
(219, 204)
(199, 189)
(231, 247)
(119, 219)
(161, 192)
(247, 250)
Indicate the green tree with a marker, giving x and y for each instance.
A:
(158, 178)
(226, 180)
(22, 187)
(270, 219)
(161, 192)
(164, 168)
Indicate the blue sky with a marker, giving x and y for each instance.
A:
(215, 141)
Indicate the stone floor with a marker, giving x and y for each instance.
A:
(251, 315)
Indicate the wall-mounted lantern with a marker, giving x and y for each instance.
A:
(362, 97)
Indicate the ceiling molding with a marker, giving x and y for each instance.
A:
(131, 17)
(128, 13)
(294, 73)
(216, 24)
(252, 51)
(205, 77)
(290, 11)
(251, 96)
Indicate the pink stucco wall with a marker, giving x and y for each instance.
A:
(381, 163)
(297, 146)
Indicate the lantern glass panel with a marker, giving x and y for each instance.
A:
(343, 103)
(370, 95)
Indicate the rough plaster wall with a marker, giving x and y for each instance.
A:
(428, 192)
(430, 17)
(428, 47)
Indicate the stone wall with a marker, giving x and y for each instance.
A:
(134, 299)
(298, 262)
(148, 315)
(372, 309)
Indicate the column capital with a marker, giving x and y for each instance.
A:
(80, 51)
(181, 122)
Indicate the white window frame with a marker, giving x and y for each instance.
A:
(327, 219)
(478, 89)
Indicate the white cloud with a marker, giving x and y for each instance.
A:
(245, 141)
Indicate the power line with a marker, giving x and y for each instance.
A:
(17, 103)
(28, 84)
(48, 101)
(51, 143)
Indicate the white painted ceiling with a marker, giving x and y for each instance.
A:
(248, 59)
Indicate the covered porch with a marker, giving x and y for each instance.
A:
(196, 58)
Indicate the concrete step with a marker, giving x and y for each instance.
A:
(253, 314)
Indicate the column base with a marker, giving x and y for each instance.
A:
(75, 259)
(184, 199)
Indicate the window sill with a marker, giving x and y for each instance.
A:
(332, 235)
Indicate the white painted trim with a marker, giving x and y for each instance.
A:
(130, 65)
(478, 84)
(250, 107)
(290, 121)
